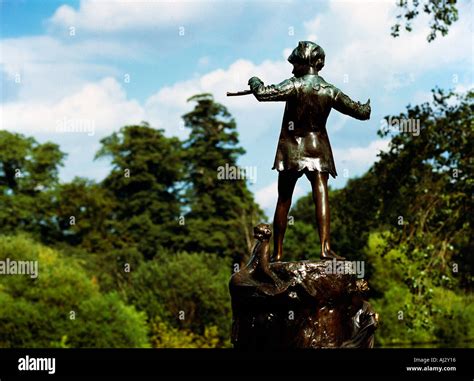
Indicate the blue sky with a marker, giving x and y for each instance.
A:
(112, 63)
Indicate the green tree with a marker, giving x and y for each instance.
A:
(146, 170)
(410, 218)
(28, 176)
(301, 239)
(353, 215)
(423, 266)
(414, 306)
(222, 211)
(84, 211)
(443, 14)
(425, 183)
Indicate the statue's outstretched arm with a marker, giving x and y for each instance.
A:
(281, 92)
(344, 104)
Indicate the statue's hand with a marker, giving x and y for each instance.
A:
(255, 82)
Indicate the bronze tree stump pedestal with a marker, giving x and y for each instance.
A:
(285, 305)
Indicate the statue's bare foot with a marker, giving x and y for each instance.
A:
(331, 255)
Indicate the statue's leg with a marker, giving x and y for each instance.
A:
(319, 185)
(286, 185)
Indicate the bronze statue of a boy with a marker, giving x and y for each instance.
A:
(303, 146)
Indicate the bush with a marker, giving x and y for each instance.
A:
(455, 319)
(189, 291)
(62, 306)
(301, 242)
(165, 336)
(414, 307)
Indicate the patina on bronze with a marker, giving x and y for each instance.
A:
(297, 304)
(303, 146)
(301, 304)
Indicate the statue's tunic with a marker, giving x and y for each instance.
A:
(304, 142)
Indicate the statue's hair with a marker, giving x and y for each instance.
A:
(308, 53)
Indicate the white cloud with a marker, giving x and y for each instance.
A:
(105, 101)
(358, 159)
(62, 78)
(267, 196)
(168, 104)
(422, 96)
(76, 122)
(103, 105)
(368, 54)
(220, 81)
(52, 68)
(112, 16)
(46, 49)
(372, 57)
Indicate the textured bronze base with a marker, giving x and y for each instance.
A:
(300, 305)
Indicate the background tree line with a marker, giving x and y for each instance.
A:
(156, 239)
(143, 258)
(410, 217)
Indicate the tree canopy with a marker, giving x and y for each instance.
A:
(143, 258)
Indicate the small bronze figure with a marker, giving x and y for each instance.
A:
(260, 259)
(258, 268)
(303, 146)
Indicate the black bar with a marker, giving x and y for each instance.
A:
(164, 364)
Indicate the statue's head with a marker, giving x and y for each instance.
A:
(307, 55)
(262, 232)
